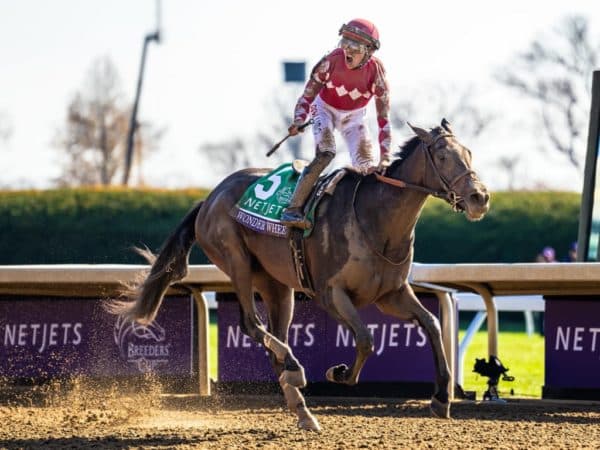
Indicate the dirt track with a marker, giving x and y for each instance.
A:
(91, 419)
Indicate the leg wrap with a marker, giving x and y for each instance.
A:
(290, 363)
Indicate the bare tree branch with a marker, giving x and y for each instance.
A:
(6, 127)
(95, 132)
(455, 103)
(555, 72)
(509, 165)
(238, 152)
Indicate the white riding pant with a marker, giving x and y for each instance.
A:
(352, 127)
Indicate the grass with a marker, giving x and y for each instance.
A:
(213, 348)
(522, 354)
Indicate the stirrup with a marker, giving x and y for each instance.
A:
(295, 218)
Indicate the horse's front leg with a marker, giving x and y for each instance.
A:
(341, 307)
(405, 305)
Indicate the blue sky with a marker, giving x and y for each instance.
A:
(220, 64)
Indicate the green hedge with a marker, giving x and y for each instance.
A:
(88, 226)
(517, 227)
(100, 226)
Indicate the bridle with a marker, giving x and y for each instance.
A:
(448, 193)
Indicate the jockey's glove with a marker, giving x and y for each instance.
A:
(384, 163)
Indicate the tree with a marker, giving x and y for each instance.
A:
(556, 73)
(238, 152)
(96, 128)
(509, 165)
(6, 128)
(429, 104)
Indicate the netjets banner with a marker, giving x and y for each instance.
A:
(48, 337)
(572, 331)
(402, 350)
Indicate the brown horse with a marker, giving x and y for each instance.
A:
(359, 253)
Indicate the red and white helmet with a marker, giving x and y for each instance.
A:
(362, 31)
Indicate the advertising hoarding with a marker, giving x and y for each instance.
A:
(402, 351)
(572, 353)
(46, 337)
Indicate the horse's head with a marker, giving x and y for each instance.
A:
(447, 171)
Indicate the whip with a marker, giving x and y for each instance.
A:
(276, 146)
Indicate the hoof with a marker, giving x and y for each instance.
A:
(308, 422)
(439, 409)
(337, 374)
(294, 378)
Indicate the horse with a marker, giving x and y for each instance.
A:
(359, 253)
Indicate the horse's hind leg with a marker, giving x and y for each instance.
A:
(405, 305)
(240, 272)
(340, 306)
(279, 302)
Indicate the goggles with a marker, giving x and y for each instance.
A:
(352, 47)
(353, 30)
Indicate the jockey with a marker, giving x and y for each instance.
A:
(336, 95)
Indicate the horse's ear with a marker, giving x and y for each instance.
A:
(423, 134)
(446, 126)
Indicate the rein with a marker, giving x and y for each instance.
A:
(448, 194)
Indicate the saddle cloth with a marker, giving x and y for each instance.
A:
(262, 204)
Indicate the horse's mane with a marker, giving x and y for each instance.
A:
(409, 147)
(404, 152)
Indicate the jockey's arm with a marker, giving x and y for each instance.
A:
(382, 107)
(318, 78)
(311, 90)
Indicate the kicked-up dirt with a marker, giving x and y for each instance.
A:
(109, 418)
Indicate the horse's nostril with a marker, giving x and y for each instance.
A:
(480, 197)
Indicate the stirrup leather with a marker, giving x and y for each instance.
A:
(293, 217)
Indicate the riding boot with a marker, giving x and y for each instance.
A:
(292, 215)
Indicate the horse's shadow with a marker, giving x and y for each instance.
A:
(536, 411)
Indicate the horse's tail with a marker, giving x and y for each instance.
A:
(143, 299)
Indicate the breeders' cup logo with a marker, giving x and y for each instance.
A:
(141, 345)
(284, 195)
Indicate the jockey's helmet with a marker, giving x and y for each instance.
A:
(361, 31)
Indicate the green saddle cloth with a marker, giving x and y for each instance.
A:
(262, 204)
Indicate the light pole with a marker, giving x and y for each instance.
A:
(133, 121)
